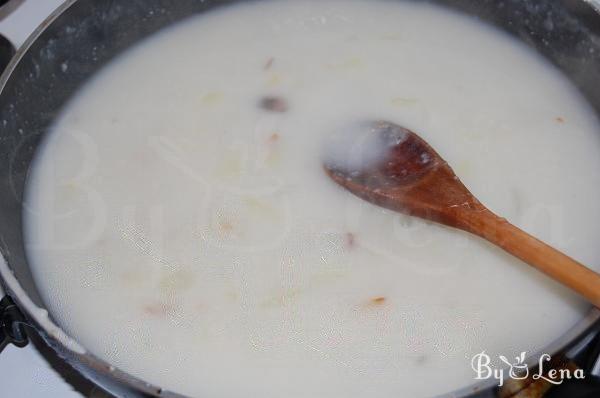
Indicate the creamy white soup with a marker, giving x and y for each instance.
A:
(180, 224)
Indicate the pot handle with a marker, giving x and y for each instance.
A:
(589, 361)
(12, 322)
(7, 51)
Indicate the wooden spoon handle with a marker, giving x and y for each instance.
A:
(545, 258)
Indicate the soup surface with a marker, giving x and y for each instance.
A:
(181, 226)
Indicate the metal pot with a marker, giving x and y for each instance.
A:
(90, 33)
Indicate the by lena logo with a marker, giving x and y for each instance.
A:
(519, 370)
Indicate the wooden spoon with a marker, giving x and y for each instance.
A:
(413, 179)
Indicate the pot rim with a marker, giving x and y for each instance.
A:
(57, 337)
(38, 317)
